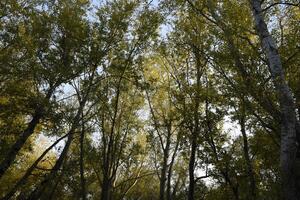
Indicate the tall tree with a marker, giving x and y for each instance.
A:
(287, 106)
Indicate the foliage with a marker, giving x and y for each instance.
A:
(137, 99)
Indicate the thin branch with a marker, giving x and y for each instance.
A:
(281, 3)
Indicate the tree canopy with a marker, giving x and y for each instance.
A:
(150, 99)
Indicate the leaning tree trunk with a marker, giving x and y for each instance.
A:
(287, 106)
(49, 179)
(14, 150)
(17, 146)
(29, 171)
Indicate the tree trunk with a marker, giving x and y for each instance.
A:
(30, 170)
(169, 178)
(224, 172)
(82, 179)
(287, 107)
(191, 169)
(106, 185)
(250, 171)
(164, 169)
(106, 189)
(14, 150)
(162, 184)
(170, 171)
(48, 181)
(17, 146)
(195, 132)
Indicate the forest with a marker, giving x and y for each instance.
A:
(150, 99)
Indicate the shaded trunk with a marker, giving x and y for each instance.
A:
(195, 130)
(106, 186)
(82, 179)
(191, 169)
(164, 170)
(50, 178)
(175, 188)
(17, 146)
(106, 189)
(250, 171)
(288, 116)
(52, 192)
(169, 195)
(29, 171)
(170, 172)
(162, 182)
(224, 172)
(11, 155)
(109, 151)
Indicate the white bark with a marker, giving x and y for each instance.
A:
(288, 120)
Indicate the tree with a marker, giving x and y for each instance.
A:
(287, 106)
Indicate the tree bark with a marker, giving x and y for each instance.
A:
(195, 132)
(162, 183)
(11, 155)
(50, 178)
(224, 172)
(288, 119)
(191, 169)
(164, 169)
(170, 171)
(48, 181)
(82, 179)
(17, 146)
(106, 189)
(30, 170)
(250, 171)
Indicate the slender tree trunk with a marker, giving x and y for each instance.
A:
(191, 169)
(169, 178)
(109, 150)
(164, 169)
(175, 188)
(224, 172)
(250, 171)
(106, 186)
(52, 192)
(287, 107)
(170, 171)
(195, 132)
(82, 179)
